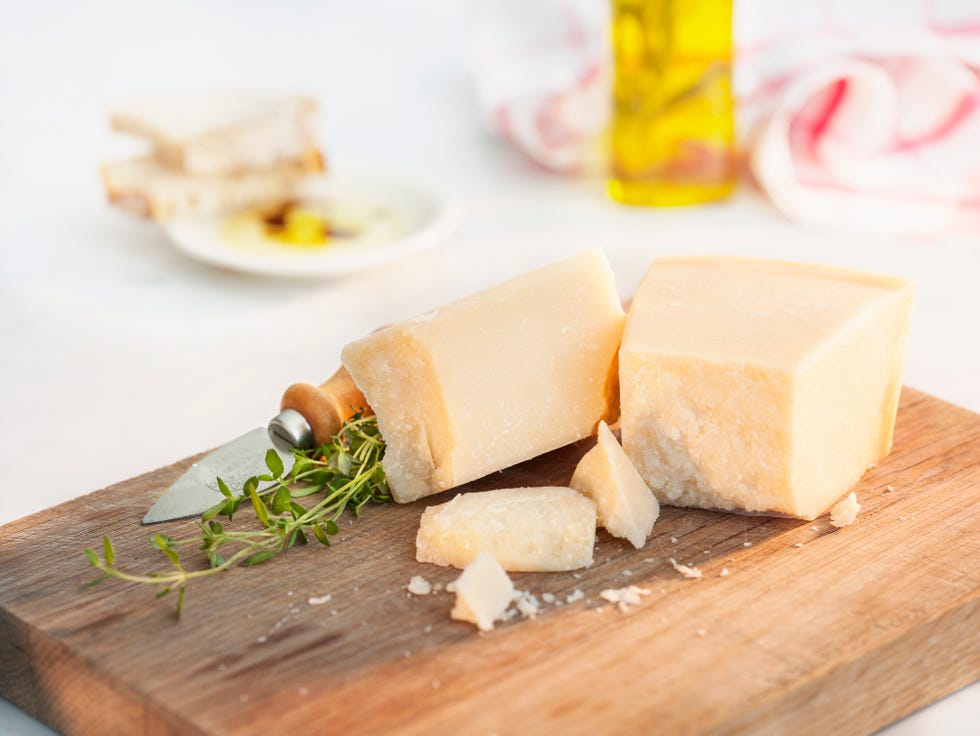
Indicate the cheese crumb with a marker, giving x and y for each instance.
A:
(483, 592)
(845, 512)
(319, 601)
(723, 573)
(624, 597)
(527, 604)
(889, 489)
(688, 572)
(627, 573)
(548, 597)
(575, 595)
(746, 544)
(418, 585)
(798, 544)
(673, 540)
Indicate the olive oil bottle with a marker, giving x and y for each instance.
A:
(673, 131)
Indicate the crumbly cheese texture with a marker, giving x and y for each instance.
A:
(760, 386)
(526, 529)
(483, 593)
(626, 507)
(494, 379)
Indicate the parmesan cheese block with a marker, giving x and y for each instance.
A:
(494, 379)
(525, 529)
(760, 386)
(483, 592)
(626, 507)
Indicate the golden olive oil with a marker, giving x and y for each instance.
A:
(673, 131)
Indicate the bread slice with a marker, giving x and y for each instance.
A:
(223, 133)
(148, 187)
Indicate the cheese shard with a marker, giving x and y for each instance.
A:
(845, 511)
(526, 529)
(483, 592)
(760, 386)
(625, 505)
(494, 379)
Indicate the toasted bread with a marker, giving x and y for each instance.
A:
(148, 187)
(223, 133)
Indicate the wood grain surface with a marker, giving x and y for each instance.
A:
(844, 634)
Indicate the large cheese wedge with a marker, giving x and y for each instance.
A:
(494, 379)
(624, 503)
(525, 529)
(766, 387)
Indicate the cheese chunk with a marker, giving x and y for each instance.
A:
(760, 386)
(845, 511)
(483, 592)
(526, 529)
(494, 379)
(626, 507)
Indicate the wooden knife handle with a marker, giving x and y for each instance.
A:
(327, 406)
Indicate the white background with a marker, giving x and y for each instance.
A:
(119, 355)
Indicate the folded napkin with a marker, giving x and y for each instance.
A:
(543, 77)
(850, 115)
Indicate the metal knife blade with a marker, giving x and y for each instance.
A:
(197, 489)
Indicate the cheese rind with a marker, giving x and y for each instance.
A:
(526, 529)
(494, 379)
(760, 386)
(626, 507)
(483, 592)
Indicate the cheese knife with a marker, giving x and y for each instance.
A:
(309, 415)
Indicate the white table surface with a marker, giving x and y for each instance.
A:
(120, 355)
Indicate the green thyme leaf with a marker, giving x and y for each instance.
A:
(274, 463)
(110, 553)
(280, 501)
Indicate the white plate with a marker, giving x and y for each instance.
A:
(414, 218)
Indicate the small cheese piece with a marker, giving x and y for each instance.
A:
(526, 529)
(527, 604)
(760, 386)
(483, 592)
(845, 511)
(625, 505)
(494, 379)
(418, 585)
(624, 598)
(688, 572)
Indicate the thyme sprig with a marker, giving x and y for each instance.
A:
(348, 470)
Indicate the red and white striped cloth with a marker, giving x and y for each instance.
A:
(863, 115)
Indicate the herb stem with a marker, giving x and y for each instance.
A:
(348, 469)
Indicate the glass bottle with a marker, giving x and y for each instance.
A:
(673, 131)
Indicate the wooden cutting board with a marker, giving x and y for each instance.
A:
(815, 630)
